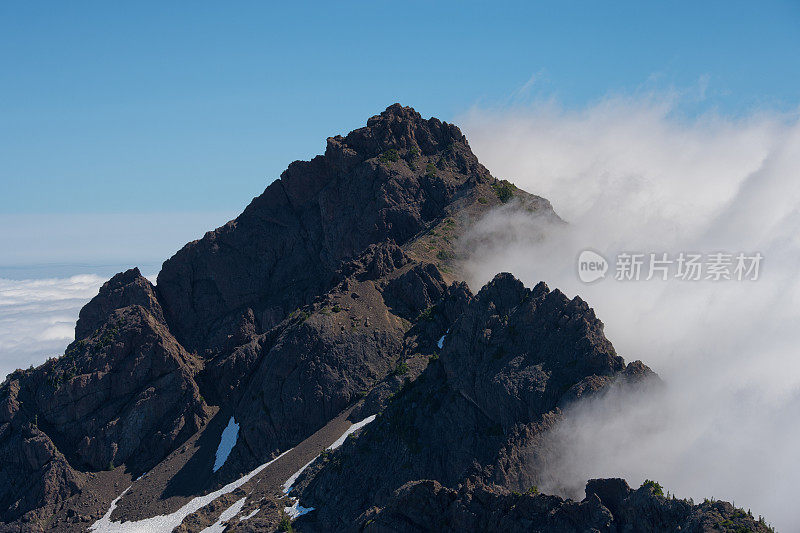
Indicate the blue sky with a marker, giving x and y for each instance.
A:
(153, 106)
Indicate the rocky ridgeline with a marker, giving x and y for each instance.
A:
(333, 291)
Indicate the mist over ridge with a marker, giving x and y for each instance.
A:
(630, 174)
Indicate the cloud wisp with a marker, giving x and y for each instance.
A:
(632, 175)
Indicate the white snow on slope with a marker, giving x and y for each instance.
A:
(441, 341)
(251, 515)
(287, 486)
(226, 443)
(227, 514)
(166, 523)
(298, 510)
(352, 429)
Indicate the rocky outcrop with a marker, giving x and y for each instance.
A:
(478, 409)
(610, 506)
(123, 290)
(326, 357)
(335, 294)
(388, 180)
(123, 392)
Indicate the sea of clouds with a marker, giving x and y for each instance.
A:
(37, 317)
(53, 264)
(633, 174)
(627, 174)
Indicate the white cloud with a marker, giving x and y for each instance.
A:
(37, 317)
(630, 174)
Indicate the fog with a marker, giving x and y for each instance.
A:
(634, 175)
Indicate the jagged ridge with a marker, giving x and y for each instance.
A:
(329, 292)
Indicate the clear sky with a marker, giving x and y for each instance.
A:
(175, 106)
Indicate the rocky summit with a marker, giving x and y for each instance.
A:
(319, 364)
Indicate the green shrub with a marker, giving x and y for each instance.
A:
(389, 156)
(442, 255)
(427, 314)
(300, 314)
(504, 190)
(401, 369)
(285, 524)
(654, 487)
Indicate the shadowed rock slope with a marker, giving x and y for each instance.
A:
(610, 506)
(328, 295)
(284, 316)
(460, 448)
(477, 411)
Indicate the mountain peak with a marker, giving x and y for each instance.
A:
(124, 289)
(397, 111)
(326, 300)
(388, 180)
(403, 130)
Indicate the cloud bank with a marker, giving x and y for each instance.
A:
(37, 317)
(40, 297)
(631, 174)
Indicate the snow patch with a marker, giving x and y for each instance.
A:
(249, 516)
(440, 343)
(352, 429)
(166, 523)
(287, 486)
(227, 514)
(226, 443)
(298, 510)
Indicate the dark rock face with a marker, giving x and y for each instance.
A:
(123, 392)
(384, 181)
(123, 290)
(477, 412)
(325, 357)
(34, 471)
(335, 289)
(285, 315)
(610, 506)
